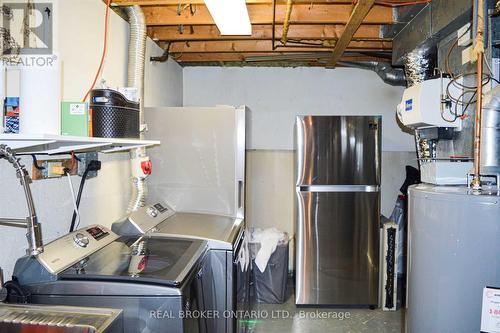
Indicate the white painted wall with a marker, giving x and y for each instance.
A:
(79, 34)
(274, 97)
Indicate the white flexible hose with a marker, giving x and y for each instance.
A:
(140, 191)
(136, 69)
(73, 198)
(137, 53)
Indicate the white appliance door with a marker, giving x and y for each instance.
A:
(200, 164)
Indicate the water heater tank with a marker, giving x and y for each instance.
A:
(453, 252)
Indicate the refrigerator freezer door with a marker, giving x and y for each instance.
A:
(342, 150)
(337, 248)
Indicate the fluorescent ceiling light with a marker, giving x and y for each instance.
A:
(230, 16)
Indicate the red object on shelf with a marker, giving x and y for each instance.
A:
(147, 167)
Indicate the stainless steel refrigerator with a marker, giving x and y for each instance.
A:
(337, 210)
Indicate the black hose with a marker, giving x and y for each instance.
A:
(35, 163)
(92, 166)
(20, 296)
(79, 197)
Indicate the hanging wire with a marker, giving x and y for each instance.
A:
(35, 163)
(457, 82)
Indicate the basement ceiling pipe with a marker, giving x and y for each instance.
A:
(478, 51)
(389, 74)
(136, 64)
(286, 23)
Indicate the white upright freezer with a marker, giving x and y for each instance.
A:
(200, 165)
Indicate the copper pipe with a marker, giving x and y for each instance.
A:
(286, 22)
(274, 25)
(479, 52)
(476, 181)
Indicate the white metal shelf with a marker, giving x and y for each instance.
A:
(58, 144)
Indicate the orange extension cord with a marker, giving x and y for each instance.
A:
(104, 51)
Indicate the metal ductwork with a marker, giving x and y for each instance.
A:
(389, 74)
(136, 65)
(490, 143)
(434, 22)
(419, 66)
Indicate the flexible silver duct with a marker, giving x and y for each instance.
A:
(137, 54)
(389, 74)
(419, 66)
(136, 65)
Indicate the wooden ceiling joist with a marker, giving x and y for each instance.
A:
(266, 45)
(321, 32)
(262, 14)
(235, 57)
(360, 12)
(201, 2)
(262, 32)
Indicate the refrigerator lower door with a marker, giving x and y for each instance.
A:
(338, 247)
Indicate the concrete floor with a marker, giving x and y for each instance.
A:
(287, 318)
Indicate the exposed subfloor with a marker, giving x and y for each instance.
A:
(287, 318)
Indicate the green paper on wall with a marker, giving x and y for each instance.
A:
(74, 118)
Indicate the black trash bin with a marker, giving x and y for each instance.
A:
(270, 285)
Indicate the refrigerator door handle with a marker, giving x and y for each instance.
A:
(339, 188)
(240, 194)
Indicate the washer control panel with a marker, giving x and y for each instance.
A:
(148, 217)
(73, 247)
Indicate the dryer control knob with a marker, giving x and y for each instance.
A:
(81, 240)
(152, 212)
